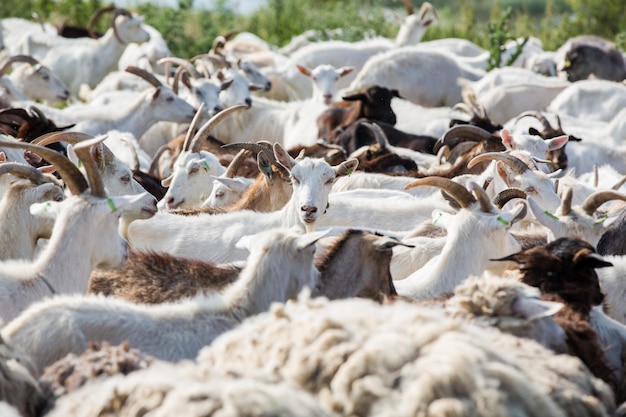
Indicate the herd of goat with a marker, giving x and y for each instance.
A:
(330, 228)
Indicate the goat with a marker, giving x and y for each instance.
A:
(227, 188)
(189, 236)
(458, 259)
(564, 271)
(374, 103)
(279, 266)
(19, 229)
(145, 109)
(584, 55)
(35, 81)
(87, 61)
(28, 124)
(578, 221)
(86, 224)
(190, 183)
(410, 70)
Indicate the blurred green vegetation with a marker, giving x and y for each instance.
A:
(190, 31)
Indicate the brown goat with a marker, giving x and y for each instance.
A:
(564, 271)
(357, 265)
(374, 104)
(157, 278)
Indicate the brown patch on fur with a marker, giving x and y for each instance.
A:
(157, 278)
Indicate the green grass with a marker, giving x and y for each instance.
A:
(189, 31)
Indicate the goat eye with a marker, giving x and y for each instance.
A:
(295, 180)
(46, 78)
(219, 194)
(169, 99)
(194, 169)
(330, 181)
(125, 178)
(531, 190)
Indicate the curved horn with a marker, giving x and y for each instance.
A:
(192, 127)
(455, 190)
(537, 115)
(94, 18)
(595, 200)
(23, 171)
(426, 7)
(235, 164)
(217, 60)
(83, 151)
(516, 164)
(39, 114)
(154, 165)
(252, 147)
(179, 73)
(379, 135)
(73, 138)
(619, 184)
(148, 76)
(18, 58)
(70, 173)
(507, 195)
(566, 202)
(467, 132)
(481, 197)
(208, 127)
(409, 7)
(181, 63)
(119, 12)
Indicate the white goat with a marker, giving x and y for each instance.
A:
(35, 81)
(19, 229)
(145, 109)
(478, 225)
(213, 237)
(429, 78)
(190, 183)
(576, 221)
(354, 54)
(87, 61)
(85, 231)
(591, 100)
(279, 266)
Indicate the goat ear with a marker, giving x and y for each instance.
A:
(255, 87)
(230, 183)
(557, 143)
(47, 169)
(504, 173)
(355, 97)
(186, 81)
(395, 93)
(265, 166)
(225, 84)
(386, 242)
(543, 216)
(427, 23)
(535, 308)
(507, 139)
(3, 157)
(303, 70)
(245, 242)
(440, 218)
(156, 93)
(310, 238)
(345, 71)
(517, 213)
(120, 201)
(48, 209)
(283, 157)
(346, 167)
(165, 182)
(587, 258)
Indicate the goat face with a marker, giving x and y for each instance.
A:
(376, 104)
(311, 182)
(565, 267)
(190, 183)
(41, 84)
(167, 106)
(254, 75)
(130, 29)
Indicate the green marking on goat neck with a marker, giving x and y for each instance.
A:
(111, 205)
(501, 220)
(206, 166)
(45, 207)
(601, 219)
(547, 213)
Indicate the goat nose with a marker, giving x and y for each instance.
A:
(218, 109)
(309, 209)
(248, 102)
(268, 86)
